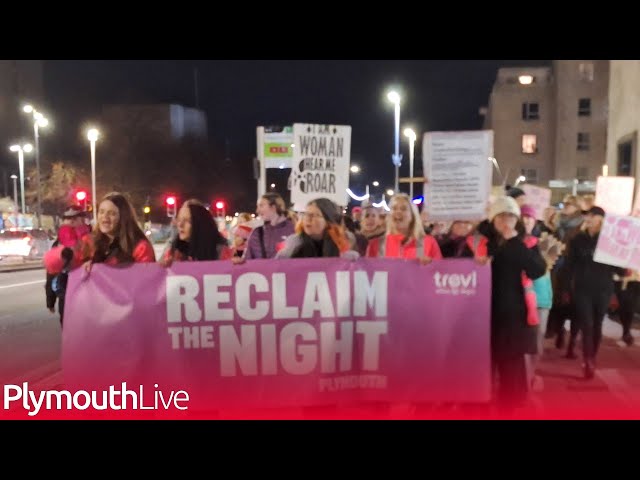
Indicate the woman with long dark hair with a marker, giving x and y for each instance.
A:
(198, 237)
(117, 238)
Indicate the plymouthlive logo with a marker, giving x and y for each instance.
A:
(455, 283)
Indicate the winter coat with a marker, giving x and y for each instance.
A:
(395, 249)
(510, 333)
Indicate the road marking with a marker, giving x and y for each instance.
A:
(22, 284)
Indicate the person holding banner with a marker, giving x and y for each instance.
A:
(405, 237)
(512, 336)
(358, 241)
(265, 241)
(370, 226)
(117, 238)
(453, 244)
(592, 286)
(198, 237)
(319, 234)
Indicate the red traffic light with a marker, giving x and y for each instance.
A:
(81, 195)
(219, 205)
(171, 200)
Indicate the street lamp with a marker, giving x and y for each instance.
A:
(521, 178)
(93, 135)
(354, 168)
(39, 121)
(394, 98)
(411, 135)
(376, 183)
(21, 149)
(15, 189)
(390, 192)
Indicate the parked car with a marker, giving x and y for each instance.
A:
(27, 243)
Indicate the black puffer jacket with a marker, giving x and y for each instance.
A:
(510, 333)
(586, 275)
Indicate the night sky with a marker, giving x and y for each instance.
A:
(238, 96)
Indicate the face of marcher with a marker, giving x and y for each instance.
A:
(401, 214)
(184, 223)
(267, 212)
(529, 223)
(569, 209)
(313, 222)
(461, 229)
(593, 222)
(108, 218)
(370, 220)
(521, 200)
(505, 224)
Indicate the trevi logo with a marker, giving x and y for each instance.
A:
(455, 283)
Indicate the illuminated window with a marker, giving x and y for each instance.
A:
(529, 143)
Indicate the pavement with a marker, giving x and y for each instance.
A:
(13, 264)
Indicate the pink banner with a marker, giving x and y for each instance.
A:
(287, 333)
(619, 242)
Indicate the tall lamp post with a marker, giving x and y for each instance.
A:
(38, 121)
(15, 189)
(93, 135)
(394, 98)
(21, 149)
(411, 135)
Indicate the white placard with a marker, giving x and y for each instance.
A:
(457, 168)
(321, 160)
(615, 194)
(538, 198)
(636, 207)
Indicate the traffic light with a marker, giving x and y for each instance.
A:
(81, 197)
(147, 210)
(220, 208)
(171, 206)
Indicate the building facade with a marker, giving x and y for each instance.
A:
(550, 123)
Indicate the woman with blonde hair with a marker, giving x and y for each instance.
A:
(265, 241)
(405, 237)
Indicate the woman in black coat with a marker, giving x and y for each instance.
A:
(511, 336)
